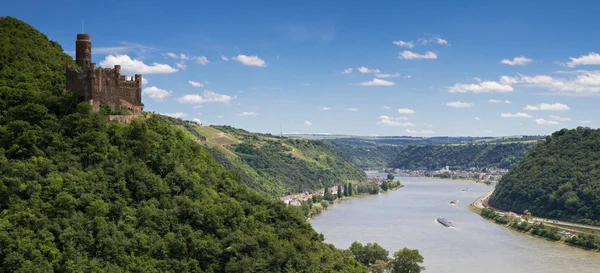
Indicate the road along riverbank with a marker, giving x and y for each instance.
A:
(579, 235)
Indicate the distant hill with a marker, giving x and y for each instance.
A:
(434, 157)
(558, 179)
(433, 153)
(79, 193)
(272, 164)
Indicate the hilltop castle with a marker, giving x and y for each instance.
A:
(102, 86)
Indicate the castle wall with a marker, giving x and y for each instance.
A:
(77, 81)
(104, 87)
(130, 91)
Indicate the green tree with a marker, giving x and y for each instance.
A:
(527, 215)
(327, 195)
(379, 266)
(384, 185)
(350, 189)
(346, 189)
(339, 192)
(369, 253)
(406, 261)
(390, 176)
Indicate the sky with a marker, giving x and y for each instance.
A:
(416, 68)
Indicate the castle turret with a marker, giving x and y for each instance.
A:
(83, 51)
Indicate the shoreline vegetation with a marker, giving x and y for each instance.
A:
(577, 237)
(312, 204)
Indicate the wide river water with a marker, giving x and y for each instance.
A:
(406, 218)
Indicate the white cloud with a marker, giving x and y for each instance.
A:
(156, 93)
(196, 84)
(224, 58)
(406, 111)
(477, 118)
(460, 104)
(176, 115)
(586, 121)
(393, 122)
(208, 96)
(517, 61)
(365, 70)
(401, 43)
(441, 41)
(395, 75)
(178, 56)
(516, 115)
(181, 65)
(197, 120)
(584, 82)
(324, 108)
(378, 82)
(388, 117)
(508, 80)
(419, 131)
(246, 114)
(499, 101)
(424, 41)
(201, 60)
(409, 55)
(132, 66)
(307, 123)
(144, 80)
(482, 87)
(542, 121)
(352, 109)
(250, 60)
(347, 71)
(557, 118)
(591, 59)
(547, 107)
(387, 107)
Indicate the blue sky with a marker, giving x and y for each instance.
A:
(422, 68)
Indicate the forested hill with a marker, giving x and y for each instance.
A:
(429, 154)
(364, 154)
(559, 179)
(272, 164)
(434, 157)
(81, 194)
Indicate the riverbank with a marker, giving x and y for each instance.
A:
(347, 198)
(568, 233)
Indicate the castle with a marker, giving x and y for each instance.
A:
(102, 86)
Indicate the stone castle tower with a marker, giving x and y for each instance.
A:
(102, 86)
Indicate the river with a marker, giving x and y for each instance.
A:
(406, 218)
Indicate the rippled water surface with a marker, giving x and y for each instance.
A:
(406, 218)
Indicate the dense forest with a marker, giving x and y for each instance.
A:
(81, 194)
(433, 157)
(274, 165)
(558, 179)
(433, 153)
(365, 155)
